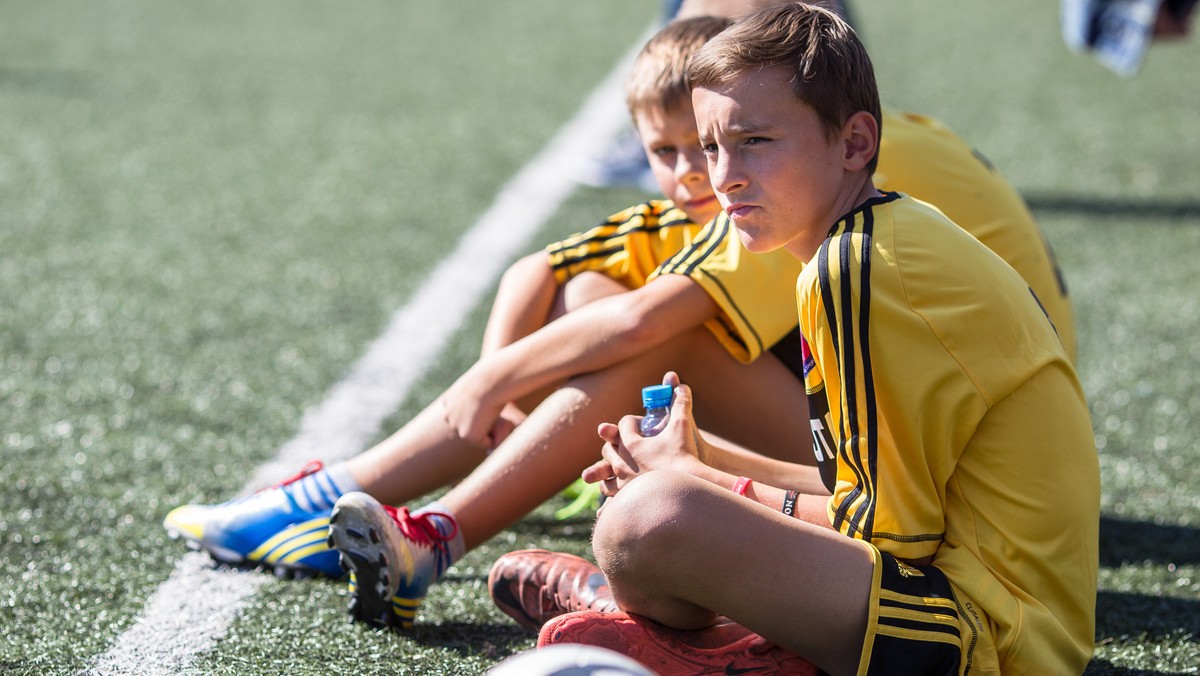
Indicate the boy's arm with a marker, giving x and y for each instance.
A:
(597, 335)
(737, 461)
(523, 302)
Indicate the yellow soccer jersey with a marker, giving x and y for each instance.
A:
(753, 291)
(961, 182)
(918, 156)
(627, 247)
(950, 424)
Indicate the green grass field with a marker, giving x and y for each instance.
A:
(209, 210)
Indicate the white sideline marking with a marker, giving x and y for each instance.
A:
(193, 609)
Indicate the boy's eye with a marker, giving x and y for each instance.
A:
(756, 140)
(708, 148)
(663, 151)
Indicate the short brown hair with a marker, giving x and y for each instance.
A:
(833, 73)
(658, 79)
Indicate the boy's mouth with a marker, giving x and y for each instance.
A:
(738, 210)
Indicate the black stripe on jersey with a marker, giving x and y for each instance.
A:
(831, 319)
(741, 315)
(864, 331)
(849, 371)
(926, 537)
(635, 223)
(608, 229)
(686, 260)
(616, 230)
(601, 253)
(838, 334)
(861, 523)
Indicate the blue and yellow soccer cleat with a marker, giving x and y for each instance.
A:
(282, 528)
(392, 557)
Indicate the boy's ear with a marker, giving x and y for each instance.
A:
(860, 136)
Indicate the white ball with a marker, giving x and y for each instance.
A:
(569, 659)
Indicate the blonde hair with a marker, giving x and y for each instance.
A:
(658, 79)
(832, 71)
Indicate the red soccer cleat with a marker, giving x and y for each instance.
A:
(534, 585)
(724, 648)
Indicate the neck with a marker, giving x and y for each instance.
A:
(857, 191)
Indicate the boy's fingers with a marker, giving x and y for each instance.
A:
(598, 471)
(682, 404)
(608, 432)
(671, 378)
(622, 462)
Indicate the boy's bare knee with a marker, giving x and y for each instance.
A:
(630, 530)
(642, 542)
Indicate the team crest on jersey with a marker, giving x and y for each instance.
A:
(806, 353)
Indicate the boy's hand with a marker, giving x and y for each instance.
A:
(471, 409)
(510, 416)
(626, 453)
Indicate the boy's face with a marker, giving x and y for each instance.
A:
(776, 173)
(678, 163)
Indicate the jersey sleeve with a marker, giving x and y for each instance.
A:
(627, 246)
(754, 292)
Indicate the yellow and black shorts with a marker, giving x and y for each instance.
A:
(917, 624)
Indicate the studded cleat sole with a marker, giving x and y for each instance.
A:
(365, 535)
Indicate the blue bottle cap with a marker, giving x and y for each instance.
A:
(655, 396)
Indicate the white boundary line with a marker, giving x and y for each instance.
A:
(190, 612)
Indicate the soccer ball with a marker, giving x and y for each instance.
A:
(569, 659)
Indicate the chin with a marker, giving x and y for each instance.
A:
(754, 244)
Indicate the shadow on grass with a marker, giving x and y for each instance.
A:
(1134, 541)
(1124, 615)
(1106, 206)
(494, 641)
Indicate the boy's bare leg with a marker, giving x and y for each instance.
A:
(425, 454)
(674, 547)
(558, 439)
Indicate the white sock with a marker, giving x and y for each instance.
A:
(318, 491)
(456, 545)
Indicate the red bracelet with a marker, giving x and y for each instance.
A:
(741, 485)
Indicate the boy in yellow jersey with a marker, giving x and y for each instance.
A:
(601, 355)
(960, 529)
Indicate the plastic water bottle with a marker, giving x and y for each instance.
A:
(657, 400)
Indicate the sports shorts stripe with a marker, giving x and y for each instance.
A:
(915, 625)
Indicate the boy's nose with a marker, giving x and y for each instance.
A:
(724, 175)
(691, 169)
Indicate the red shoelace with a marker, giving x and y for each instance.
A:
(419, 528)
(312, 467)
